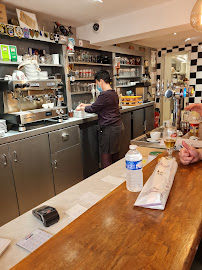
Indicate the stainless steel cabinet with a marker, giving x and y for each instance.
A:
(126, 137)
(138, 123)
(149, 118)
(90, 148)
(66, 157)
(8, 199)
(64, 138)
(67, 168)
(32, 171)
(143, 121)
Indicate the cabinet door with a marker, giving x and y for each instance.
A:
(67, 168)
(149, 118)
(138, 123)
(126, 137)
(90, 148)
(32, 171)
(8, 199)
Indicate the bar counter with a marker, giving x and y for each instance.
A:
(51, 125)
(113, 234)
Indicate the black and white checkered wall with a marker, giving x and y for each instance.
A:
(195, 68)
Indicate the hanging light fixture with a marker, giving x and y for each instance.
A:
(196, 16)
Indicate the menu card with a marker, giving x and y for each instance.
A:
(34, 240)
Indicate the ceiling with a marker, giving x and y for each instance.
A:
(170, 40)
(81, 12)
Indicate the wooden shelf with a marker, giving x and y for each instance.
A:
(80, 93)
(175, 73)
(84, 79)
(18, 63)
(90, 64)
(127, 77)
(123, 86)
(128, 65)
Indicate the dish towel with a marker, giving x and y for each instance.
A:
(155, 192)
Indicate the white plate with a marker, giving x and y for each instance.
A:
(150, 140)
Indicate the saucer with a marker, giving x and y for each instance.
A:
(150, 140)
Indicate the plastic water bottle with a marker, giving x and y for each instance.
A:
(134, 174)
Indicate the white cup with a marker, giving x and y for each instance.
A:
(55, 59)
(19, 58)
(155, 135)
(45, 106)
(51, 105)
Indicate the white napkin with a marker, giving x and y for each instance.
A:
(155, 192)
(4, 243)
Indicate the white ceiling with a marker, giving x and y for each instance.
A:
(81, 12)
(170, 40)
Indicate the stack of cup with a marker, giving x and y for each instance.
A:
(31, 72)
(43, 75)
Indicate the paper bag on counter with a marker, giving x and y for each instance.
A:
(155, 192)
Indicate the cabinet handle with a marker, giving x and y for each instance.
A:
(145, 125)
(65, 136)
(15, 156)
(56, 164)
(5, 160)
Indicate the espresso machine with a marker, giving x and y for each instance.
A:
(23, 102)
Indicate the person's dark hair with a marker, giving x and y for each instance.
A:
(104, 75)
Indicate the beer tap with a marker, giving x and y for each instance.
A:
(162, 88)
(158, 93)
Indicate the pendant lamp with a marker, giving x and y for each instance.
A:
(196, 16)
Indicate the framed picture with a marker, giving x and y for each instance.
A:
(27, 19)
(3, 16)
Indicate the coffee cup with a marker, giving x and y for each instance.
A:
(155, 135)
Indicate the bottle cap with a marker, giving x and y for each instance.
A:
(133, 147)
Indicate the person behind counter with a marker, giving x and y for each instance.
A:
(111, 126)
(189, 154)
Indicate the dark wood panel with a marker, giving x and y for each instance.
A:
(115, 235)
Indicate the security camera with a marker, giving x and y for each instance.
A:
(96, 27)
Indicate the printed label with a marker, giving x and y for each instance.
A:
(134, 165)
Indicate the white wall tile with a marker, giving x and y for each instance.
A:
(199, 75)
(192, 82)
(187, 49)
(193, 68)
(158, 59)
(199, 62)
(197, 100)
(158, 72)
(200, 48)
(194, 55)
(198, 87)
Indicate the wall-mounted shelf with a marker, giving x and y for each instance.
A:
(80, 93)
(90, 64)
(18, 63)
(128, 65)
(176, 73)
(84, 79)
(127, 77)
(123, 86)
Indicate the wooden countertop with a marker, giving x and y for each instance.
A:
(114, 234)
